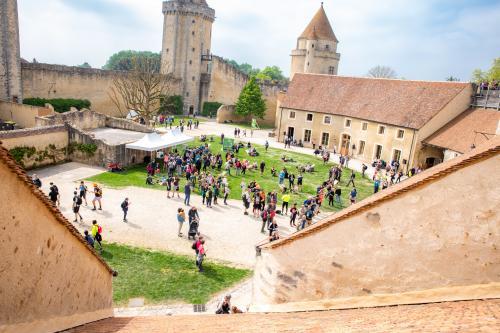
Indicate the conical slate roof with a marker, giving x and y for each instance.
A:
(319, 28)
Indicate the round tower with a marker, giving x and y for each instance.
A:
(187, 35)
(10, 57)
(316, 50)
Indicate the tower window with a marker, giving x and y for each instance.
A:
(187, 94)
(313, 46)
(194, 21)
(194, 78)
(331, 70)
(190, 62)
(327, 47)
(192, 33)
(194, 49)
(168, 50)
(307, 64)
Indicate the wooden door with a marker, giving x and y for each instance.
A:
(346, 142)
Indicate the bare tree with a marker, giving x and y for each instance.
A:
(382, 72)
(142, 89)
(452, 78)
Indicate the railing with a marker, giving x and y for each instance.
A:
(206, 57)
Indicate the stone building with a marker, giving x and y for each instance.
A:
(370, 119)
(316, 50)
(187, 35)
(10, 58)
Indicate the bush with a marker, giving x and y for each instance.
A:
(210, 108)
(172, 105)
(60, 105)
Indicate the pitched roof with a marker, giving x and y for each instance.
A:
(319, 28)
(402, 103)
(18, 172)
(472, 127)
(480, 316)
(483, 152)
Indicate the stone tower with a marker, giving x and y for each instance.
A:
(187, 35)
(316, 50)
(10, 57)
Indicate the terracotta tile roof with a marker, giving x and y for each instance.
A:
(18, 172)
(402, 103)
(463, 131)
(319, 28)
(483, 152)
(466, 316)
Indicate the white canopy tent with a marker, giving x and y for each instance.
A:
(153, 141)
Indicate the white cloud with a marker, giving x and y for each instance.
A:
(426, 39)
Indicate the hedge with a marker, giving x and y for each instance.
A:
(210, 108)
(60, 105)
(172, 105)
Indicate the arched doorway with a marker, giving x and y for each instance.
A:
(345, 144)
(191, 110)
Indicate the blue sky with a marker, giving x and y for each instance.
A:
(422, 40)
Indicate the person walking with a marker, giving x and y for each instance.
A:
(88, 238)
(226, 194)
(351, 179)
(353, 195)
(187, 193)
(262, 167)
(97, 233)
(54, 194)
(245, 197)
(97, 197)
(125, 204)
(363, 170)
(293, 215)
(36, 181)
(284, 207)
(266, 145)
(200, 256)
(181, 218)
(77, 201)
(83, 192)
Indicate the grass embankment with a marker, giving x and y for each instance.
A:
(162, 277)
(136, 176)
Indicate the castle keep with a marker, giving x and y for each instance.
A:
(187, 34)
(10, 58)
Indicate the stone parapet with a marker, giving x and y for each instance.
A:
(189, 8)
(32, 131)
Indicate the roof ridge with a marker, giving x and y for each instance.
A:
(383, 78)
(6, 157)
(430, 175)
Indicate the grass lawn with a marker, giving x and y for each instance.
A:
(136, 176)
(165, 277)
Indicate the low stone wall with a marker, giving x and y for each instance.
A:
(226, 113)
(41, 146)
(104, 153)
(23, 115)
(126, 124)
(84, 119)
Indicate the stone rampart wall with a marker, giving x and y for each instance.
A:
(22, 115)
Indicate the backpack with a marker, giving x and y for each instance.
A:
(309, 214)
(99, 229)
(124, 204)
(193, 246)
(79, 201)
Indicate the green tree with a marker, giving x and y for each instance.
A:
(85, 65)
(126, 60)
(493, 74)
(452, 78)
(251, 102)
(271, 73)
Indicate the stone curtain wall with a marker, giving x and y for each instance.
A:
(10, 59)
(23, 115)
(227, 82)
(84, 119)
(50, 143)
(226, 114)
(56, 81)
(50, 280)
(442, 234)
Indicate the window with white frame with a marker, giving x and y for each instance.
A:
(364, 126)
(396, 155)
(331, 70)
(327, 120)
(378, 152)
(291, 115)
(309, 117)
(400, 134)
(361, 148)
(381, 130)
(307, 135)
(347, 123)
(325, 139)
